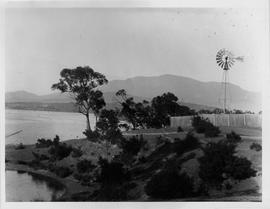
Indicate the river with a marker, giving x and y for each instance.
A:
(29, 125)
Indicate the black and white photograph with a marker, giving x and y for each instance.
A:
(134, 104)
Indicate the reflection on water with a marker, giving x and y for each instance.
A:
(23, 186)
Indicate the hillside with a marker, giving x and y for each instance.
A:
(187, 90)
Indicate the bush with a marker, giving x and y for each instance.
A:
(169, 184)
(179, 129)
(233, 137)
(62, 171)
(255, 146)
(220, 163)
(91, 135)
(43, 143)
(212, 132)
(76, 152)
(85, 178)
(112, 172)
(40, 157)
(60, 151)
(133, 145)
(202, 125)
(19, 146)
(85, 166)
(189, 143)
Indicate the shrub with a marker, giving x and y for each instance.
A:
(85, 166)
(233, 137)
(219, 163)
(132, 145)
(212, 131)
(43, 143)
(169, 184)
(179, 129)
(76, 152)
(85, 178)
(62, 171)
(20, 146)
(60, 151)
(202, 125)
(40, 157)
(112, 172)
(255, 146)
(91, 135)
(189, 143)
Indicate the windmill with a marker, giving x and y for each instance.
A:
(225, 59)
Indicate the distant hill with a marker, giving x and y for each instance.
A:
(192, 93)
(187, 90)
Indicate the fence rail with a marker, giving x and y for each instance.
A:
(233, 120)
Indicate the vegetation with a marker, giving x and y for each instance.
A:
(62, 171)
(168, 184)
(179, 129)
(219, 163)
(189, 143)
(255, 146)
(81, 83)
(44, 143)
(233, 137)
(151, 115)
(59, 151)
(20, 146)
(202, 125)
(85, 166)
(112, 172)
(132, 145)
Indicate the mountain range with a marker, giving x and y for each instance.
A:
(195, 94)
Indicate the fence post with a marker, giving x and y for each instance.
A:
(244, 120)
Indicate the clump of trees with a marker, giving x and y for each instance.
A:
(154, 114)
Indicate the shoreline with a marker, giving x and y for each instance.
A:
(70, 186)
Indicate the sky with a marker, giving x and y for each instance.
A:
(124, 43)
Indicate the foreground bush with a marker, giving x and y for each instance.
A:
(189, 143)
(220, 163)
(112, 172)
(255, 146)
(169, 184)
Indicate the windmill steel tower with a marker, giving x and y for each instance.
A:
(225, 59)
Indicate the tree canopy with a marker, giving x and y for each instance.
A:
(81, 83)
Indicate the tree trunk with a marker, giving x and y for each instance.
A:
(88, 127)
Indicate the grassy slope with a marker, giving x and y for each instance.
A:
(250, 188)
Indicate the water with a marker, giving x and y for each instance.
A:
(43, 124)
(22, 186)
